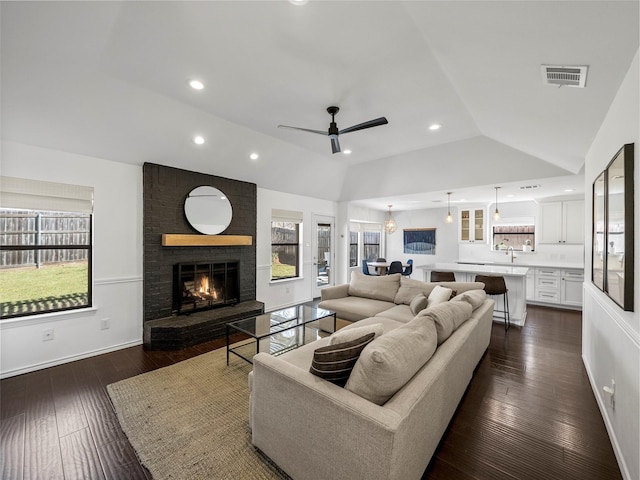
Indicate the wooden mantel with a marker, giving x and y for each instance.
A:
(180, 240)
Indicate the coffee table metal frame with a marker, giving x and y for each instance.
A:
(269, 324)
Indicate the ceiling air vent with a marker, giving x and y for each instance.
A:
(575, 76)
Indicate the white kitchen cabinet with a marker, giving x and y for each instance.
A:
(472, 225)
(559, 287)
(571, 287)
(562, 222)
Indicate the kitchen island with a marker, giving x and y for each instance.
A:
(515, 278)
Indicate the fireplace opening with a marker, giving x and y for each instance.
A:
(202, 286)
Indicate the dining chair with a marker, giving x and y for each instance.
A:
(365, 268)
(395, 267)
(381, 259)
(409, 269)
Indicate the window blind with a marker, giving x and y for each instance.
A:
(278, 215)
(27, 194)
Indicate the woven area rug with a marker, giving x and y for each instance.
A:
(190, 420)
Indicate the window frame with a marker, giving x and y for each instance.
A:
(296, 246)
(357, 248)
(43, 247)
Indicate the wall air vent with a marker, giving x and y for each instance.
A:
(529, 187)
(573, 76)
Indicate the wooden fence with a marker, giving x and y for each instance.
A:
(43, 229)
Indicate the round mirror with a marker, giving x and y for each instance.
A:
(208, 210)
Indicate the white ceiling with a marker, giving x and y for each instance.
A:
(110, 80)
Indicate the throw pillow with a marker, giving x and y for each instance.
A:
(447, 317)
(418, 303)
(349, 334)
(475, 298)
(438, 295)
(375, 287)
(391, 360)
(409, 288)
(335, 362)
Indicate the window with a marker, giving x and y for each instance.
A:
(371, 245)
(516, 236)
(353, 249)
(285, 244)
(46, 252)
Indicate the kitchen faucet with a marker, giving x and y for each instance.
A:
(510, 249)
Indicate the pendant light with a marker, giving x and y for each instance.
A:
(449, 217)
(390, 224)
(496, 214)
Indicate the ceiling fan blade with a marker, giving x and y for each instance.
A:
(335, 143)
(369, 124)
(304, 129)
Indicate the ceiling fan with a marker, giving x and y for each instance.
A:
(333, 131)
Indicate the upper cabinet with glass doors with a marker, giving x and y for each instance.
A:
(472, 227)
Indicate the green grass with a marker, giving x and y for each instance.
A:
(280, 270)
(30, 289)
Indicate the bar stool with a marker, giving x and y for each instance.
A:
(442, 276)
(495, 285)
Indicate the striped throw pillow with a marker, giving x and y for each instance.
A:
(335, 362)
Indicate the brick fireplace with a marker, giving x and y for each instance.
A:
(164, 192)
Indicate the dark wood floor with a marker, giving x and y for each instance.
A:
(529, 413)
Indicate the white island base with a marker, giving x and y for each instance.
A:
(514, 277)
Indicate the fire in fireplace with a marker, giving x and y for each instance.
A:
(201, 286)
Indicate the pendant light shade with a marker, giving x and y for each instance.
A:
(449, 217)
(390, 224)
(496, 214)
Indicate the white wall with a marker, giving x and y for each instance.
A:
(287, 292)
(117, 263)
(611, 337)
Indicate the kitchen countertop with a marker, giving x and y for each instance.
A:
(528, 265)
(517, 271)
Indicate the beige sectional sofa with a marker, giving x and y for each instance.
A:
(386, 422)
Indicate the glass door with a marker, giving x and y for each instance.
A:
(323, 255)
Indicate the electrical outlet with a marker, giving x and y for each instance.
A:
(47, 334)
(105, 323)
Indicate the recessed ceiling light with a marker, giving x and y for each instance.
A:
(196, 84)
(254, 156)
(298, 2)
(347, 152)
(198, 140)
(510, 196)
(434, 127)
(568, 190)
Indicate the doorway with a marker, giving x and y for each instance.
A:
(323, 253)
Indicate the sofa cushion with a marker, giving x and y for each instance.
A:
(475, 298)
(447, 317)
(438, 295)
(400, 313)
(418, 303)
(374, 287)
(355, 308)
(388, 324)
(389, 362)
(335, 362)
(349, 334)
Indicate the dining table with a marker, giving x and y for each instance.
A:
(382, 267)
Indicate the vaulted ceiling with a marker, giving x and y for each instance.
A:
(111, 80)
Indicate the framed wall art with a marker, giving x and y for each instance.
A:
(420, 241)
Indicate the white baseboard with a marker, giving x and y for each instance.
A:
(70, 358)
(624, 470)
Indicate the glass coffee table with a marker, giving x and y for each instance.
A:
(277, 332)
